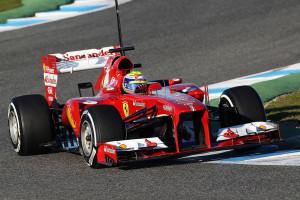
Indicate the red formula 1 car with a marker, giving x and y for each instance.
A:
(168, 119)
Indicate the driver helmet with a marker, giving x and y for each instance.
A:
(134, 82)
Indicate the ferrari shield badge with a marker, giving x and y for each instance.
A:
(125, 108)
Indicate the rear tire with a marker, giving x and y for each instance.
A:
(30, 124)
(240, 105)
(99, 124)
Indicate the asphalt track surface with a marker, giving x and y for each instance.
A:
(201, 41)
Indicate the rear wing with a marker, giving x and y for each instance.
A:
(54, 64)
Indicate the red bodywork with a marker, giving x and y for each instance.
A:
(179, 99)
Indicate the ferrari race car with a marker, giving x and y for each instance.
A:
(112, 127)
(169, 118)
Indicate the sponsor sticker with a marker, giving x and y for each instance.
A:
(230, 134)
(109, 150)
(167, 108)
(262, 127)
(140, 104)
(50, 98)
(50, 90)
(47, 69)
(125, 108)
(50, 79)
(150, 144)
(123, 146)
(73, 56)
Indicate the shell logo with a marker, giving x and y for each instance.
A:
(123, 146)
(262, 127)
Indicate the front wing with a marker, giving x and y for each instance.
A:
(116, 152)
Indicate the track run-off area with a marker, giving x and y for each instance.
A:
(200, 41)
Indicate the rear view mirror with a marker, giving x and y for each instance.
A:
(174, 81)
(154, 87)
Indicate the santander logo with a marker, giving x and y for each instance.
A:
(91, 54)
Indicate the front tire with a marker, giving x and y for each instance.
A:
(30, 124)
(240, 105)
(99, 124)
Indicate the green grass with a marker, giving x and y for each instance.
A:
(30, 7)
(9, 4)
(284, 108)
(273, 88)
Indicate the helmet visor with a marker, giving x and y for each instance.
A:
(135, 86)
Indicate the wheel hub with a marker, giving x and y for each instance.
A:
(86, 138)
(13, 128)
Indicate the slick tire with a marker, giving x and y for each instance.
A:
(30, 124)
(99, 124)
(240, 105)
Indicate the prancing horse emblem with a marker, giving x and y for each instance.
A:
(125, 108)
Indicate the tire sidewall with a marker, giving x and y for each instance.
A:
(246, 106)
(106, 125)
(34, 122)
(18, 145)
(91, 159)
(228, 117)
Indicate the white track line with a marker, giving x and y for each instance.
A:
(286, 158)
